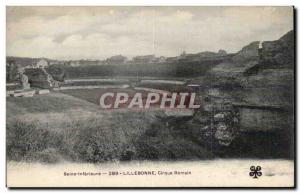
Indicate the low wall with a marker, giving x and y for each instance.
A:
(91, 87)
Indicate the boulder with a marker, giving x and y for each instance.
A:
(224, 135)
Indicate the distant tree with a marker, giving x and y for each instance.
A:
(11, 71)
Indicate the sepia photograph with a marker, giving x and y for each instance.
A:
(150, 96)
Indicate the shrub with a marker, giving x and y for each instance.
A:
(97, 145)
(21, 139)
(27, 143)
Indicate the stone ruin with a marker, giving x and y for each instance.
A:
(253, 93)
(23, 79)
(216, 122)
(23, 88)
(40, 78)
(32, 81)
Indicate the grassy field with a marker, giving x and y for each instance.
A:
(54, 102)
(62, 126)
(93, 95)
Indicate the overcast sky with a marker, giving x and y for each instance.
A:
(100, 32)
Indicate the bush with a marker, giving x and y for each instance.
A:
(98, 145)
(21, 139)
(25, 142)
(121, 137)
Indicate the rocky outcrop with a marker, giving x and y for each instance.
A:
(258, 86)
(216, 123)
(268, 88)
(239, 63)
(56, 72)
(39, 77)
(279, 53)
(247, 54)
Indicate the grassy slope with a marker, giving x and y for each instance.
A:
(53, 102)
(61, 127)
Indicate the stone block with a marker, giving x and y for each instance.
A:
(23, 93)
(43, 91)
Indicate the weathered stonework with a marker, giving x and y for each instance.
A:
(257, 85)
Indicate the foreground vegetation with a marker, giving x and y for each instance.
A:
(123, 137)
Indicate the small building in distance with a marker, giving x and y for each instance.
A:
(161, 59)
(201, 56)
(147, 59)
(118, 59)
(75, 63)
(171, 60)
(58, 62)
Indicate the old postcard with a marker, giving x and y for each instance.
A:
(150, 96)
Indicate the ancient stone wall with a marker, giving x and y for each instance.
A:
(258, 87)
